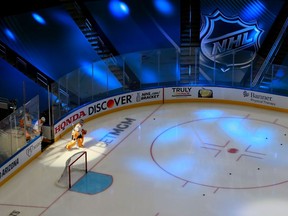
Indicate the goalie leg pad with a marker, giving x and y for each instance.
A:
(70, 144)
(80, 142)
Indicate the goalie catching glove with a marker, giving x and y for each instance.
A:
(84, 132)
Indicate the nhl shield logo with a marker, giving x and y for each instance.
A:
(229, 41)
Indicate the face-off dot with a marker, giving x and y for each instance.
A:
(232, 150)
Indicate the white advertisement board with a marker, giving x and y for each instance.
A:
(15, 162)
(108, 104)
(229, 94)
(171, 94)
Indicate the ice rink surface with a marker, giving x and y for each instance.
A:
(202, 159)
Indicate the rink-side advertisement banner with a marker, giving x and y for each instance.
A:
(169, 94)
(229, 94)
(108, 104)
(19, 159)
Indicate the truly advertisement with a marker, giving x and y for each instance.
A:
(189, 92)
(181, 92)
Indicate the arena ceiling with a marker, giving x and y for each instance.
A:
(56, 46)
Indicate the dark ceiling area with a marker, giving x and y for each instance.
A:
(14, 7)
(61, 38)
(61, 43)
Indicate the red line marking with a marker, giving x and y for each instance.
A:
(223, 146)
(246, 150)
(219, 151)
(30, 206)
(247, 156)
(216, 190)
(185, 184)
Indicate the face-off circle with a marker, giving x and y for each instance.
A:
(224, 152)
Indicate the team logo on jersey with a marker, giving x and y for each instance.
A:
(229, 41)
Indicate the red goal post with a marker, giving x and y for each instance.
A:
(75, 168)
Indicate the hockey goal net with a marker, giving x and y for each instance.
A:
(75, 168)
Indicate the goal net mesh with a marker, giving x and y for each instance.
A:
(75, 168)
